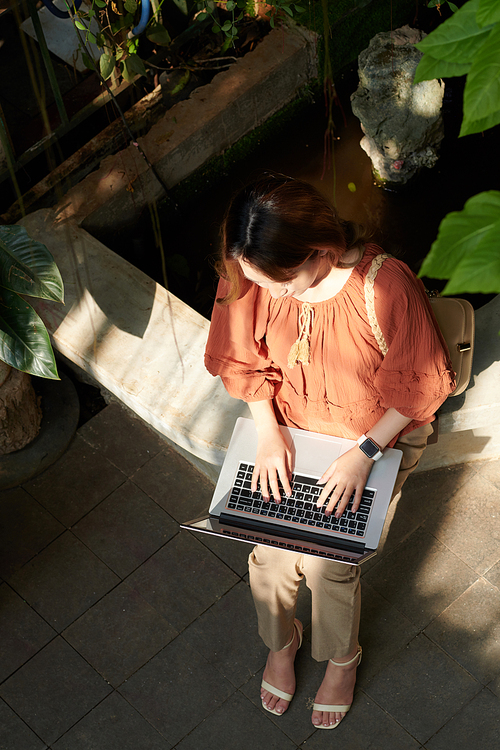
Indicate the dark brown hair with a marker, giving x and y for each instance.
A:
(276, 224)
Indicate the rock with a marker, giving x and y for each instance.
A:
(402, 122)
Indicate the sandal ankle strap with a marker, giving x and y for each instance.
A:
(357, 655)
(299, 633)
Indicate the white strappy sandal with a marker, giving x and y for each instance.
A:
(297, 626)
(337, 709)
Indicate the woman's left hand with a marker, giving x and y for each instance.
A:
(347, 475)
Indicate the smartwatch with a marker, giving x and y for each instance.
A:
(369, 448)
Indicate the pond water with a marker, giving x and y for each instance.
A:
(405, 222)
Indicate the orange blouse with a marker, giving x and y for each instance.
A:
(348, 384)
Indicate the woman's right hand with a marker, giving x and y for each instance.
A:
(273, 461)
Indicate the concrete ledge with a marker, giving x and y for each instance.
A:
(137, 340)
(212, 119)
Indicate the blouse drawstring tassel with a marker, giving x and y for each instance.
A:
(301, 350)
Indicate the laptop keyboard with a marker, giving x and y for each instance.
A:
(300, 508)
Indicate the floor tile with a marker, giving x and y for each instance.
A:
(236, 724)
(422, 688)
(494, 685)
(182, 580)
(493, 575)
(176, 690)
(398, 526)
(54, 690)
(490, 470)
(226, 635)
(14, 734)
(469, 630)
(383, 632)
(63, 581)
(475, 727)
(25, 529)
(420, 578)
(175, 485)
(22, 632)
(426, 490)
(112, 725)
(76, 483)
(233, 553)
(366, 726)
(125, 529)
(470, 524)
(122, 438)
(119, 634)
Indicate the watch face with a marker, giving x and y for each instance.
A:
(369, 448)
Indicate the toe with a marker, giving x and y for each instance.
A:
(281, 706)
(273, 703)
(317, 718)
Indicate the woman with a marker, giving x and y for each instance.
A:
(316, 330)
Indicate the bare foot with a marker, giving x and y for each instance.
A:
(337, 689)
(280, 673)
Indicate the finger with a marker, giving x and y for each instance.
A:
(284, 475)
(273, 482)
(343, 502)
(328, 474)
(263, 485)
(357, 498)
(326, 492)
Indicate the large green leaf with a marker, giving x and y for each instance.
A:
(470, 126)
(27, 267)
(479, 271)
(458, 38)
(467, 249)
(107, 65)
(24, 341)
(482, 89)
(429, 68)
(158, 34)
(488, 12)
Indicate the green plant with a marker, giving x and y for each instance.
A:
(108, 25)
(26, 268)
(467, 249)
(237, 8)
(113, 23)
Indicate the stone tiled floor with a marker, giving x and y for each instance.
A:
(118, 631)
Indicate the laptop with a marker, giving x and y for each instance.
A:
(296, 523)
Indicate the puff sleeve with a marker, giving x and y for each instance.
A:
(415, 376)
(236, 347)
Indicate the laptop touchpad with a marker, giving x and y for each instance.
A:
(313, 455)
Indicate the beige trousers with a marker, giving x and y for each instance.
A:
(275, 576)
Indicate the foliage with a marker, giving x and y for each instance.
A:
(467, 249)
(233, 6)
(468, 43)
(113, 23)
(26, 268)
